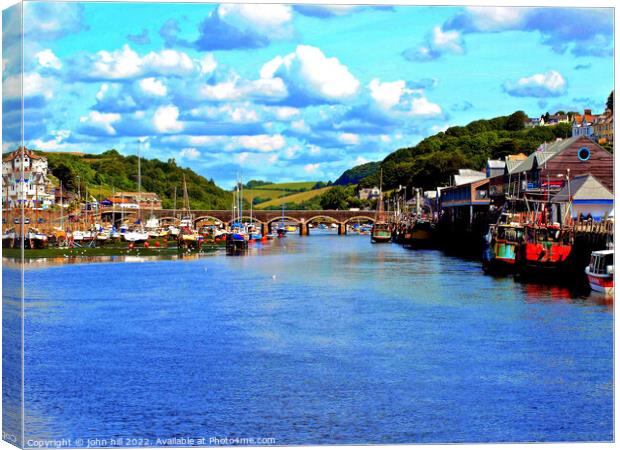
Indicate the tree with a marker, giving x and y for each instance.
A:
(610, 101)
(335, 198)
(516, 121)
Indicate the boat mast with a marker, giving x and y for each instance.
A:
(139, 185)
(380, 214)
(174, 204)
(61, 209)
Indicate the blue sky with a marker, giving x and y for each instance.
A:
(284, 92)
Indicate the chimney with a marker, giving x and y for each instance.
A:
(587, 112)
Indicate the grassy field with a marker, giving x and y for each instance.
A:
(293, 186)
(267, 194)
(270, 192)
(294, 198)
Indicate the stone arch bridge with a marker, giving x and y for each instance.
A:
(265, 218)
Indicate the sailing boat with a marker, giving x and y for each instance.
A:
(188, 237)
(281, 230)
(422, 232)
(381, 229)
(137, 235)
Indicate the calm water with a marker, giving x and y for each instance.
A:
(323, 339)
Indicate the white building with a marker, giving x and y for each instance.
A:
(369, 193)
(24, 180)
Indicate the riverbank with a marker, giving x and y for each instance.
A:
(60, 252)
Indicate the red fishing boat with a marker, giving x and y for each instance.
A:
(546, 249)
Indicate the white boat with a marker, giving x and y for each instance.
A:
(600, 272)
(137, 236)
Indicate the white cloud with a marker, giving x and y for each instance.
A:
(388, 94)
(47, 59)
(153, 86)
(261, 142)
(421, 107)
(314, 74)
(101, 121)
(238, 89)
(285, 112)
(396, 99)
(171, 62)
(311, 168)
(549, 84)
(266, 19)
(349, 138)
(189, 153)
(300, 126)
(497, 18)
(33, 85)
(207, 64)
(447, 41)
(125, 63)
(165, 119)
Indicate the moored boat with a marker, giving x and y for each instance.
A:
(600, 272)
(503, 242)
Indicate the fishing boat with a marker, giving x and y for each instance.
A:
(600, 272)
(187, 238)
(381, 232)
(503, 240)
(545, 251)
(34, 239)
(10, 239)
(135, 235)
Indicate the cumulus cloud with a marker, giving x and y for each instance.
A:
(52, 20)
(190, 153)
(593, 36)
(327, 11)
(398, 99)
(153, 86)
(549, 84)
(126, 64)
(97, 123)
(263, 142)
(165, 119)
(312, 77)
(48, 60)
(231, 26)
(438, 43)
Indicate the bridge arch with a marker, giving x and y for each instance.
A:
(244, 218)
(322, 216)
(279, 218)
(197, 220)
(359, 218)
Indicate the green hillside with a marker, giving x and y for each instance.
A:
(260, 192)
(357, 173)
(297, 198)
(435, 159)
(99, 173)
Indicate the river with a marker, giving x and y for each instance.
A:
(312, 340)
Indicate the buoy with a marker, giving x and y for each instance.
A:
(146, 245)
(156, 244)
(130, 245)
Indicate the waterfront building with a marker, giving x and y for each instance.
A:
(532, 122)
(495, 167)
(465, 176)
(145, 200)
(369, 193)
(25, 180)
(543, 173)
(555, 119)
(582, 124)
(588, 198)
(603, 128)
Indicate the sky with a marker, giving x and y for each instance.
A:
(282, 92)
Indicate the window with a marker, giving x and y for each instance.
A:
(583, 153)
